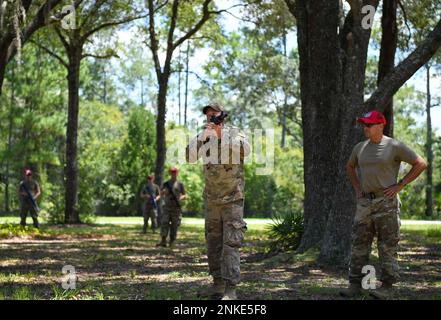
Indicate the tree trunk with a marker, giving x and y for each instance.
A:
(186, 83)
(8, 158)
(332, 71)
(320, 87)
(429, 143)
(160, 128)
(71, 214)
(387, 55)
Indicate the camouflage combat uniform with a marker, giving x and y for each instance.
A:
(171, 213)
(148, 210)
(224, 199)
(25, 205)
(376, 214)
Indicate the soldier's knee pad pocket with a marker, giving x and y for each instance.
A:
(235, 234)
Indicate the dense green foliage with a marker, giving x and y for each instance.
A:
(252, 70)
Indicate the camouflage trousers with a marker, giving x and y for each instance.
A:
(170, 221)
(224, 233)
(377, 217)
(26, 208)
(148, 212)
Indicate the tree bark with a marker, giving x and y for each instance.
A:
(429, 143)
(160, 129)
(71, 214)
(320, 87)
(186, 83)
(388, 48)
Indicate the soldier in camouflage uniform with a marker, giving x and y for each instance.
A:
(378, 160)
(172, 192)
(222, 149)
(25, 204)
(150, 192)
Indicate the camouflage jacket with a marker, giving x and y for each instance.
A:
(223, 164)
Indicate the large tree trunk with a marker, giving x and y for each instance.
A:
(429, 142)
(71, 213)
(386, 63)
(332, 69)
(320, 88)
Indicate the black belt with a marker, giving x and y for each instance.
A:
(373, 195)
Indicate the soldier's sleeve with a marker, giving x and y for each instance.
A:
(353, 159)
(192, 150)
(404, 153)
(240, 142)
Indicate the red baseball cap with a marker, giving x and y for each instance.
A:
(372, 117)
(174, 169)
(150, 177)
(28, 172)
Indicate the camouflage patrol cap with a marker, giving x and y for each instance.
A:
(214, 105)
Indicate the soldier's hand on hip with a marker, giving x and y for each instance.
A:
(392, 191)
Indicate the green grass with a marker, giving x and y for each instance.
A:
(118, 262)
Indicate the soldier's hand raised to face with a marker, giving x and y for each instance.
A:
(210, 130)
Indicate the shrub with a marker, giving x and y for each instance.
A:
(286, 230)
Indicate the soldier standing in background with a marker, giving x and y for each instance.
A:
(151, 194)
(28, 192)
(172, 193)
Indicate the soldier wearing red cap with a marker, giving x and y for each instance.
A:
(28, 188)
(172, 193)
(151, 194)
(378, 159)
(222, 149)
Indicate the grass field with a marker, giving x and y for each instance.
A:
(113, 260)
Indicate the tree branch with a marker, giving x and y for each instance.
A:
(171, 30)
(402, 72)
(110, 24)
(62, 38)
(153, 40)
(405, 21)
(53, 54)
(197, 26)
(39, 21)
(106, 56)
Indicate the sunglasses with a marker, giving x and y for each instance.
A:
(368, 125)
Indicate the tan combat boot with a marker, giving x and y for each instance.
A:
(230, 292)
(163, 242)
(215, 291)
(352, 291)
(382, 293)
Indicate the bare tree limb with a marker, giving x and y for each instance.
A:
(403, 71)
(40, 20)
(98, 4)
(406, 22)
(153, 40)
(197, 26)
(110, 24)
(106, 56)
(62, 38)
(50, 52)
(171, 31)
